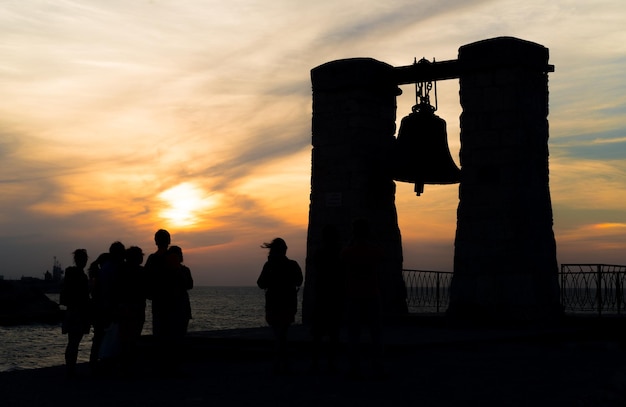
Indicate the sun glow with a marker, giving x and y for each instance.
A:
(185, 204)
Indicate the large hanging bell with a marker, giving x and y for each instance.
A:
(422, 155)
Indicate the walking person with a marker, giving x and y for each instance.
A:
(75, 296)
(281, 279)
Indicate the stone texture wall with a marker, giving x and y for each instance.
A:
(505, 253)
(353, 126)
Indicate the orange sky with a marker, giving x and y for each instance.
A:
(121, 118)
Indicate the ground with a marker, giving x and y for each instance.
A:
(426, 366)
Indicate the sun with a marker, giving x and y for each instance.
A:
(185, 202)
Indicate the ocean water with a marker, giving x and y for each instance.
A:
(213, 308)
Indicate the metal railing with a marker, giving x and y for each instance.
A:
(584, 288)
(427, 291)
(592, 288)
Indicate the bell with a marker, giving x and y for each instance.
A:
(422, 154)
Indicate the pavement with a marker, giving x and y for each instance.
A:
(428, 362)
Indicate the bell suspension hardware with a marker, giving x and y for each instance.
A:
(422, 91)
(421, 153)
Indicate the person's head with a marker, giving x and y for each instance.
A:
(277, 247)
(134, 256)
(80, 258)
(162, 238)
(117, 251)
(175, 253)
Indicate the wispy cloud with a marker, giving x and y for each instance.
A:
(108, 105)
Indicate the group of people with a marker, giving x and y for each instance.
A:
(111, 296)
(345, 292)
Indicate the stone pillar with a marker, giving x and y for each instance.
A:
(505, 263)
(353, 126)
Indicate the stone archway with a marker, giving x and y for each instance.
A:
(505, 253)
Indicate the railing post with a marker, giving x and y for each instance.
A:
(599, 289)
(618, 292)
(437, 293)
(562, 299)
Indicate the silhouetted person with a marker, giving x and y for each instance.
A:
(181, 283)
(156, 270)
(362, 260)
(105, 297)
(75, 296)
(96, 318)
(280, 278)
(170, 301)
(132, 304)
(329, 297)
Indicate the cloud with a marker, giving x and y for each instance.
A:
(107, 105)
(593, 243)
(600, 145)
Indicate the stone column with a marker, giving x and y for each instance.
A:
(353, 126)
(505, 263)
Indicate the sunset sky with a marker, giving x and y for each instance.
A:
(120, 117)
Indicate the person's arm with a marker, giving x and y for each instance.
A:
(187, 279)
(298, 277)
(262, 281)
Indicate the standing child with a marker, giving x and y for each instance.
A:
(181, 281)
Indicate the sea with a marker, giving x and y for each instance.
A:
(213, 309)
